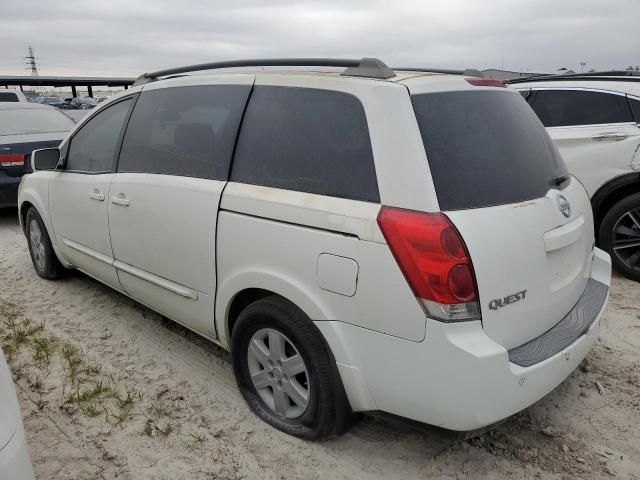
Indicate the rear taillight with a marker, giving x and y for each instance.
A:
(434, 259)
(12, 160)
(486, 82)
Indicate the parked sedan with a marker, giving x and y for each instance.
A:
(54, 101)
(25, 127)
(15, 463)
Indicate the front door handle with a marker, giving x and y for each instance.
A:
(612, 137)
(120, 199)
(96, 195)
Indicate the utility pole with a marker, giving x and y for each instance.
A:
(582, 64)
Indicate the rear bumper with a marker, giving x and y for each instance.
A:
(15, 463)
(457, 378)
(8, 190)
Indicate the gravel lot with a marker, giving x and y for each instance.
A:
(110, 389)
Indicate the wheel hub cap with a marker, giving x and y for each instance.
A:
(37, 244)
(278, 373)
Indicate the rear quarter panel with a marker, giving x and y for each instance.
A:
(280, 256)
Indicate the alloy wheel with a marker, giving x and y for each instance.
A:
(626, 239)
(278, 373)
(37, 244)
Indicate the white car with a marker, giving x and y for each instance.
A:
(594, 120)
(362, 240)
(15, 463)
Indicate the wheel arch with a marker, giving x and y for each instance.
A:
(34, 193)
(611, 193)
(245, 287)
(23, 209)
(242, 300)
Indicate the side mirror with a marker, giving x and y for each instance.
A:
(45, 159)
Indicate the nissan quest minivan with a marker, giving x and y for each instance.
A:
(362, 240)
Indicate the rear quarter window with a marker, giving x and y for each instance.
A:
(563, 108)
(485, 148)
(307, 140)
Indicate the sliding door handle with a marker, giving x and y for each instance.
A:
(96, 195)
(120, 199)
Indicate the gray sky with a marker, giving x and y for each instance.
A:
(118, 37)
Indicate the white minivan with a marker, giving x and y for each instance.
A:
(366, 240)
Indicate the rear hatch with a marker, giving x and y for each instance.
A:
(527, 224)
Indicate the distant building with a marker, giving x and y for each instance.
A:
(497, 74)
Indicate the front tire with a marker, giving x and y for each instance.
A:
(43, 257)
(285, 370)
(620, 236)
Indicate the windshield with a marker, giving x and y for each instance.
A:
(486, 148)
(24, 121)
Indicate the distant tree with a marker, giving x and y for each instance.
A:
(630, 67)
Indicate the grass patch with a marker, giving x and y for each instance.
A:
(43, 348)
(18, 330)
(152, 429)
(94, 392)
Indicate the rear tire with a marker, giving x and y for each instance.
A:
(272, 325)
(43, 257)
(619, 227)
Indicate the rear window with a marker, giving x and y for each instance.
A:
(486, 148)
(33, 120)
(8, 97)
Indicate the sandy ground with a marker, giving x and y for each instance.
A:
(110, 389)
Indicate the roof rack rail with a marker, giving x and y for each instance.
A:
(366, 67)
(618, 75)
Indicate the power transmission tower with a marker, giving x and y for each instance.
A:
(31, 63)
